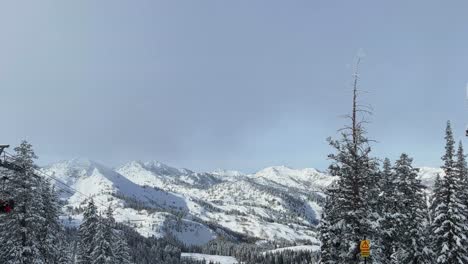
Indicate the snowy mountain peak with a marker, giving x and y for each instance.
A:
(154, 164)
(157, 174)
(155, 167)
(296, 178)
(77, 167)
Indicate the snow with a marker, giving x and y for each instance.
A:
(213, 258)
(428, 175)
(251, 204)
(256, 196)
(193, 233)
(297, 178)
(92, 179)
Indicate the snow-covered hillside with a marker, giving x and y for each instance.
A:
(258, 205)
(152, 211)
(158, 200)
(295, 178)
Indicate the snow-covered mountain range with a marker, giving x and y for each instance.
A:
(158, 200)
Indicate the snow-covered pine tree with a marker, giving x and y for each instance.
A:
(411, 215)
(462, 172)
(102, 252)
(121, 252)
(51, 233)
(448, 225)
(108, 224)
(327, 237)
(389, 203)
(354, 218)
(110, 217)
(19, 229)
(87, 232)
(375, 217)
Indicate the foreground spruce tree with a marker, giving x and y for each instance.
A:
(20, 229)
(462, 173)
(328, 255)
(31, 233)
(51, 232)
(354, 218)
(99, 240)
(410, 221)
(120, 250)
(102, 252)
(389, 203)
(87, 232)
(449, 220)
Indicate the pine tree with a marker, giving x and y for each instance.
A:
(51, 232)
(461, 171)
(354, 218)
(119, 246)
(449, 240)
(389, 203)
(108, 224)
(411, 221)
(326, 235)
(87, 232)
(122, 252)
(118, 243)
(19, 229)
(102, 252)
(31, 233)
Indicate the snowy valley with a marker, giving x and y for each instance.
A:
(274, 204)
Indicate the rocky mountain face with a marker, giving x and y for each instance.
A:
(159, 200)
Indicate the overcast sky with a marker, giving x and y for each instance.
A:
(228, 84)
